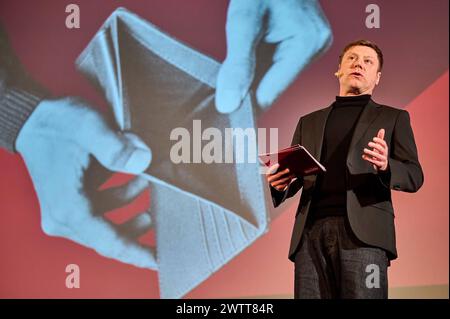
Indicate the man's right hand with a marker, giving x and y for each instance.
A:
(298, 28)
(279, 180)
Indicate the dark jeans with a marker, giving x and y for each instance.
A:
(332, 263)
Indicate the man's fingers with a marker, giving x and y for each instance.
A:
(291, 57)
(373, 161)
(272, 169)
(281, 181)
(301, 32)
(379, 156)
(281, 187)
(115, 197)
(380, 141)
(74, 222)
(95, 175)
(299, 29)
(76, 122)
(117, 151)
(278, 175)
(122, 152)
(243, 28)
(137, 226)
(377, 147)
(102, 236)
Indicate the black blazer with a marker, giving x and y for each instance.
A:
(369, 206)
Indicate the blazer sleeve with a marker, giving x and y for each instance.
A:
(280, 196)
(404, 171)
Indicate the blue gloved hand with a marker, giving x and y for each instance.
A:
(297, 27)
(56, 143)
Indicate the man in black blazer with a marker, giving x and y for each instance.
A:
(344, 237)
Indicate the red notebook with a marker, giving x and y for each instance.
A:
(296, 158)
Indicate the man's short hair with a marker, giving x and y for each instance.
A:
(365, 43)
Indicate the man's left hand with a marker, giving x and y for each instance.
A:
(378, 156)
(58, 143)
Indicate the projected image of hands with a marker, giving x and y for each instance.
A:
(153, 84)
(58, 143)
(300, 32)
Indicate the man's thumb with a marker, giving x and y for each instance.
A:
(233, 82)
(122, 152)
(117, 151)
(381, 133)
(243, 30)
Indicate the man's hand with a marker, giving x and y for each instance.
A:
(378, 156)
(298, 28)
(279, 180)
(56, 144)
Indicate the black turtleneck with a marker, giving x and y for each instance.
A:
(329, 197)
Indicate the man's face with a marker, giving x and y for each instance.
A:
(358, 71)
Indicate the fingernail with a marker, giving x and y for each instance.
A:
(264, 99)
(139, 160)
(227, 101)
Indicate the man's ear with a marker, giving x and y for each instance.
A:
(337, 73)
(378, 78)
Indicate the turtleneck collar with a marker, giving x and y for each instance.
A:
(355, 100)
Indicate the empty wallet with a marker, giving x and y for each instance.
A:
(204, 214)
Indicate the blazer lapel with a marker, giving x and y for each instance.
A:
(319, 131)
(368, 115)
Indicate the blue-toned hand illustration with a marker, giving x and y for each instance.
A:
(57, 144)
(297, 27)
